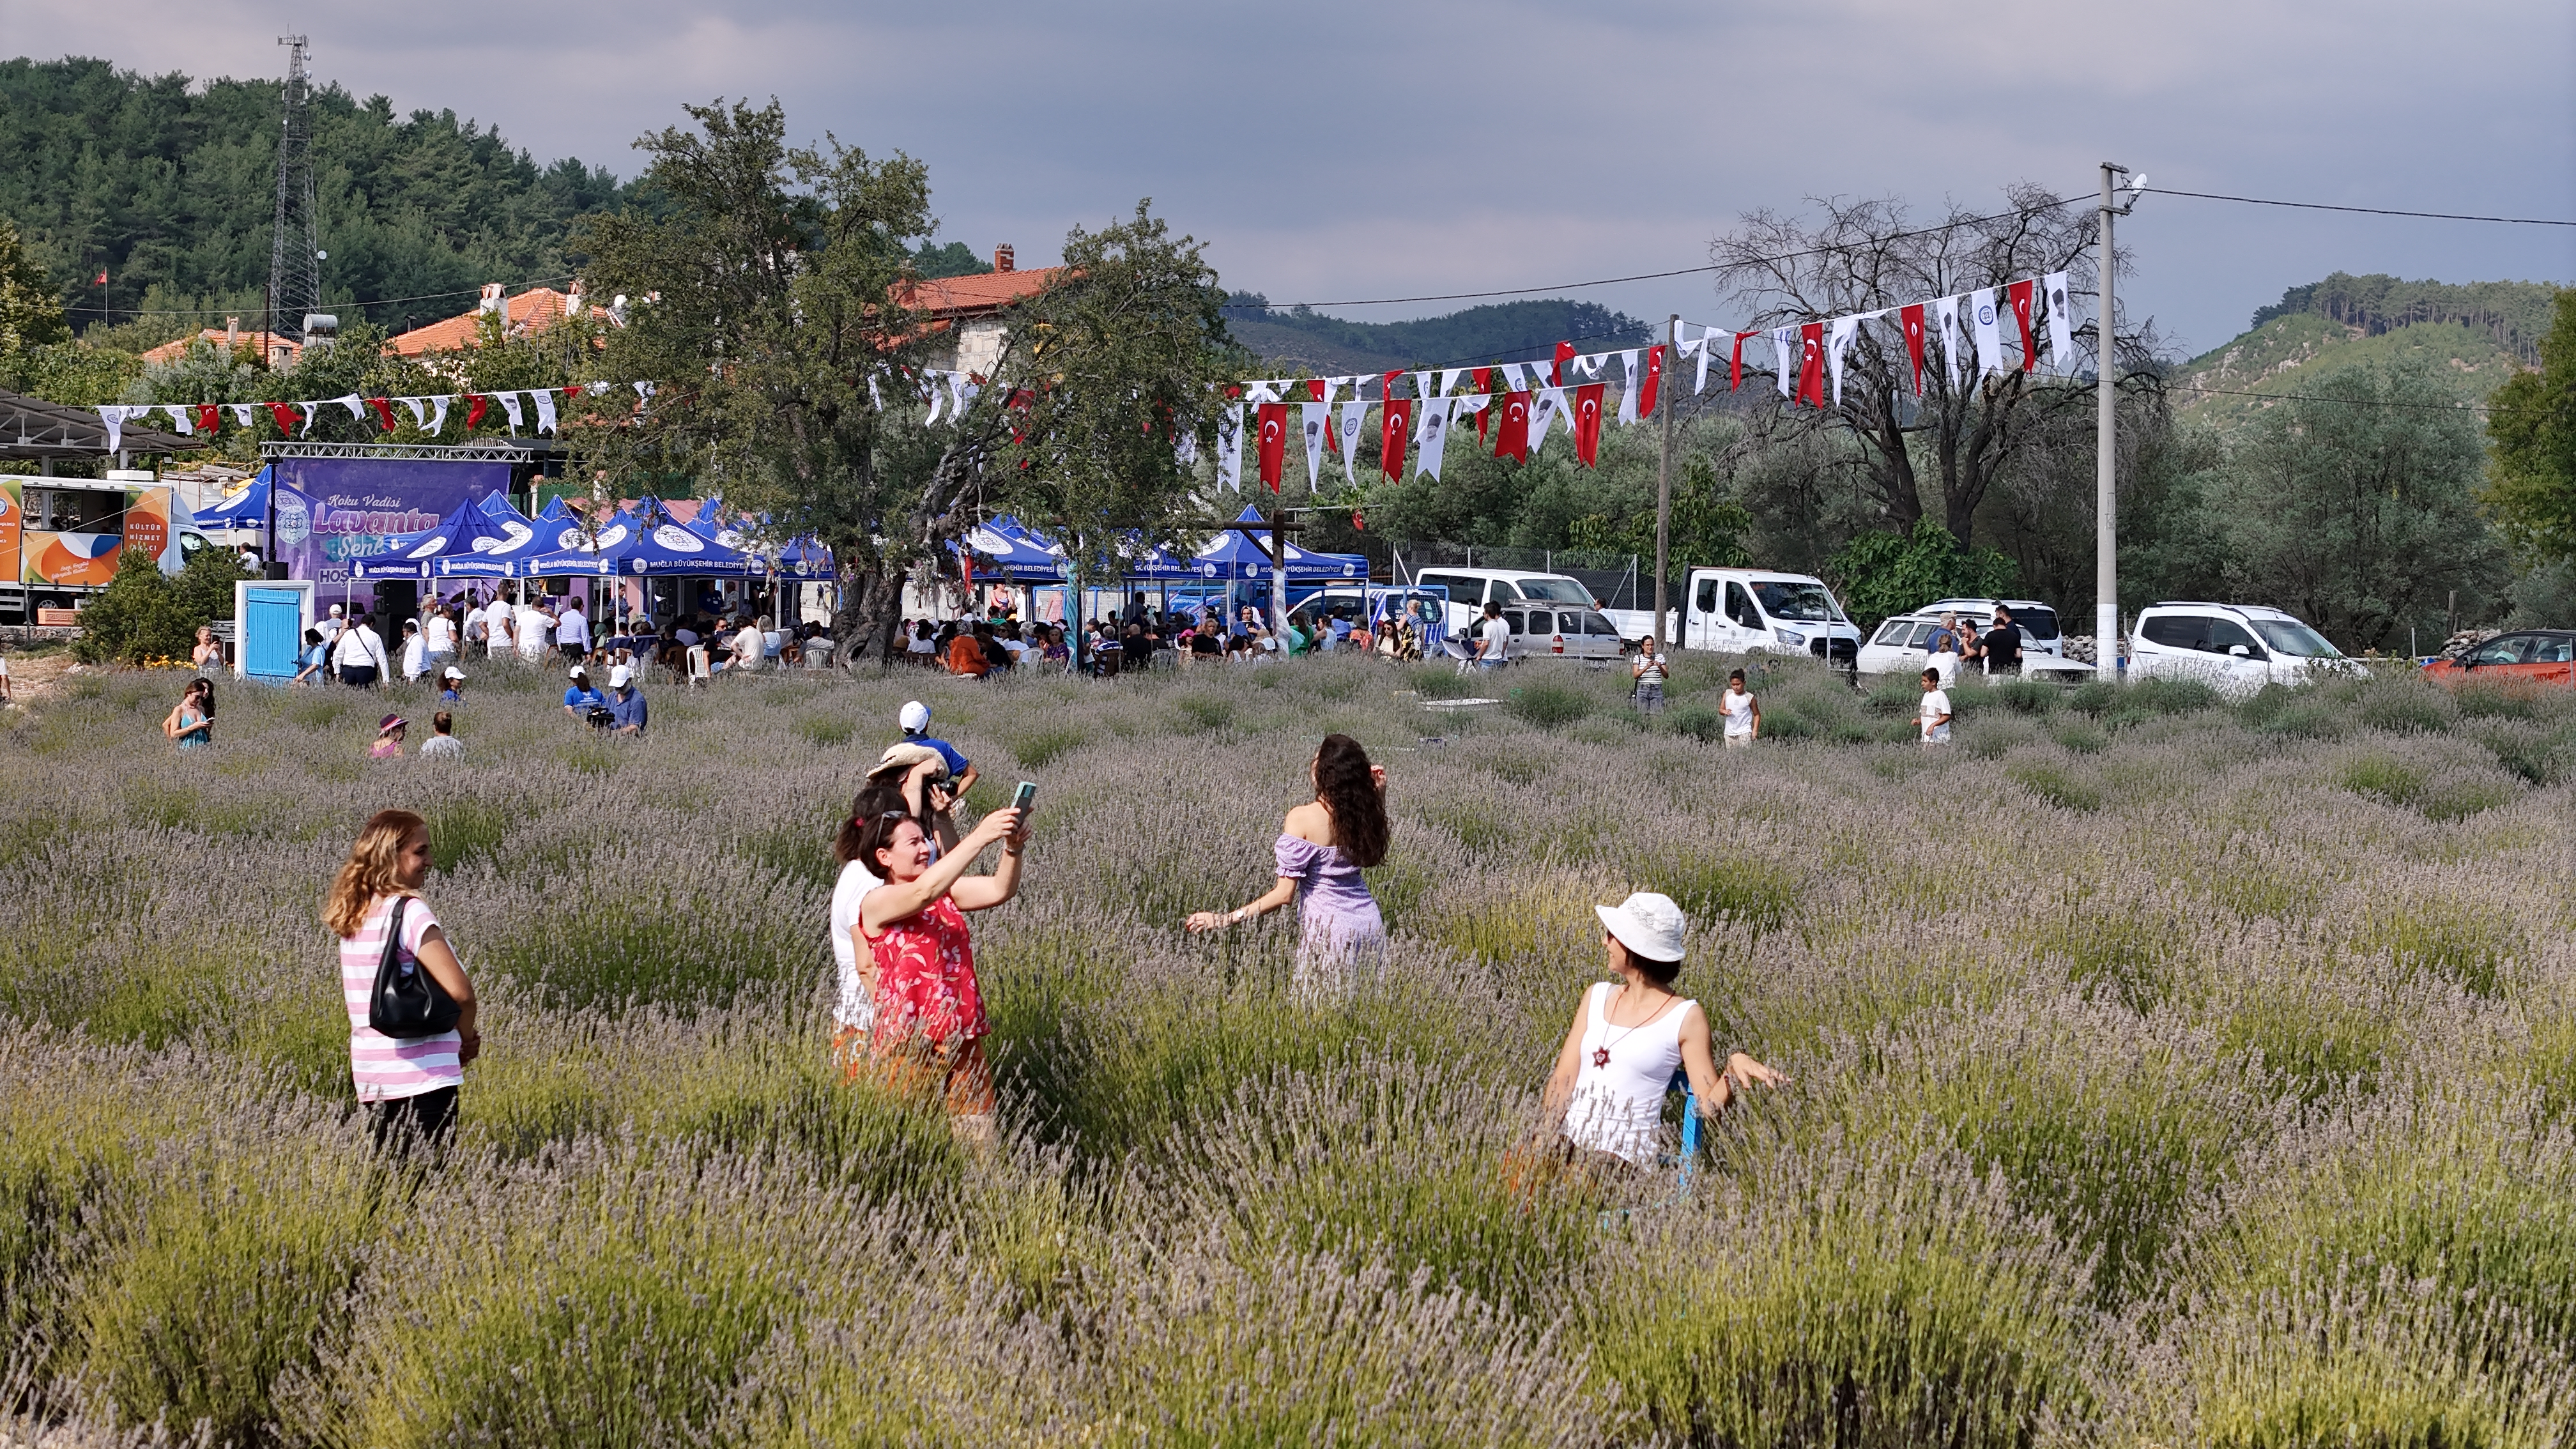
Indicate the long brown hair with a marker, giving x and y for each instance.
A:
(1350, 795)
(369, 871)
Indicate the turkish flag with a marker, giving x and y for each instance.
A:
(1386, 385)
(384, 409)
(1358, 523)
(1274, 441)
(1556, 369)
(1587, 423)
(1484, 383)
(1398, 430)
(1653, 387)
(1811, 364)
(2022, 297)
(1511, 440)
(475, 403)
(209, 417)
(1735, 365)
(1912, 317)
(285, 415)
(101, 281)
(1315, 388)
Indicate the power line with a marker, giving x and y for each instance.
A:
(2363, 210)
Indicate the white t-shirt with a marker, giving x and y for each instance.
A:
(1498, 638)
(497, 622)
(1935, 705)
(915, 644)
(440, 633)
(415, 657)
(1738, 709)
(443, 747)
(749, 648)
(851, 1006)
(534, 624)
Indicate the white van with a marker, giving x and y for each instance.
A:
(1747, 611)
(1471, 589)
(2237, 647)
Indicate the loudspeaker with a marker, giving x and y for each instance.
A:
(273, 572)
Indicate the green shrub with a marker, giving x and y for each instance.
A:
(826, 731)
(2056, 784)
(1039, 748)
(1548, 706)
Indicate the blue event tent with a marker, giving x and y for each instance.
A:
(1234, 555)
(628, 545)
(469, 532)
(246, 509)
(1003, 549)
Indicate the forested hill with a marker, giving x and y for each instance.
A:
(170, 188)
(1508, 331)
(2478, 333)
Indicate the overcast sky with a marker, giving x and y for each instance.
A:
(1330, 151)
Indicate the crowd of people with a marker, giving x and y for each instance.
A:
(909, 1016)
(1142, 636)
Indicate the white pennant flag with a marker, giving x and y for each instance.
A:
(1453, 379)
(1838, 340)
(2061, 323)
(876, 399)
(1706, 344)
(1431, 435)
(1628, 398)
(179, 417)
(1354, 414)
(312, 414)
(1544, 410)
(1424, 389)
(356, 405)
(1945, 315)
(1787, 352)
(1261, 392)
(438, 413)
(962, 390)
(419, 408)
(510, 404)
(1185, 449)
(113, 416)
(241, 413)
(544, 398)
(1990, 337)
(1229, 448)
(643, 393)
(1317, 417)
(1512, 377)
(930, 384)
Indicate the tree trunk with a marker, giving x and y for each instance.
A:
(871, 612)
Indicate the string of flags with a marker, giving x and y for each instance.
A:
(1534, 397)
(532, 408)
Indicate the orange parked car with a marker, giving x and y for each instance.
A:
(2537, 656)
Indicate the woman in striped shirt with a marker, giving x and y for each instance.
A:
(409, 1085)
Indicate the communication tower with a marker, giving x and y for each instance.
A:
(295, 249)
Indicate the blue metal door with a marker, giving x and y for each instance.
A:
(271, 629)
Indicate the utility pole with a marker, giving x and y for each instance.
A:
(2106, 438)
(1664, 482)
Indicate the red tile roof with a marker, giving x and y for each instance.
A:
(268, 344)
(530, 312)
(957, 298)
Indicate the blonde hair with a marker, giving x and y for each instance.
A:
(370, 870)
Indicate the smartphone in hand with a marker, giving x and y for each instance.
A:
(1025, 799)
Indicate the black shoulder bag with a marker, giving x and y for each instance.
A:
(407, 1002)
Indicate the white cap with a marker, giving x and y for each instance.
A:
(915, 717)
(453, 673)
(618, 675)
(335, 611)
(575, 672)
(1647, 923)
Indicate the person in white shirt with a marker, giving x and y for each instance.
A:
(360, 656)
(415, 652)
(1935, 712)
(532, 626)
(498, 630)
(332, 626)
(443, 745)
(438, 638)
(572, 632)
(1742, 712)
(750, 646)
(1493, 638)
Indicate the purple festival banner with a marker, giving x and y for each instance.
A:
(331, 510)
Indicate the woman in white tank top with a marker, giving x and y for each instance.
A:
(1606, 1095)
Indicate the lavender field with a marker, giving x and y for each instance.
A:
(2163, 1070)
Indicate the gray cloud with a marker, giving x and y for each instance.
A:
(1335, 151)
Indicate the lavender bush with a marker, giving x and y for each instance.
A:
(2163, 1068)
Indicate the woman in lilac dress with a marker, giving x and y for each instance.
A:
(1323, 846)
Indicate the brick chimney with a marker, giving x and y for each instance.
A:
(1002, 257)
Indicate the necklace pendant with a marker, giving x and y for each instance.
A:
(1600, 1056)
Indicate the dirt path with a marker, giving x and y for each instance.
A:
(32, 680)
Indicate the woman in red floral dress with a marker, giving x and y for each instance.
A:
(929, 1016)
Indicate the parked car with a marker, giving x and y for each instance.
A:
(1749, 611)
(2237, 647)
(1900, 645)
(1470, 589)
(2541, 656)
(2039, 632)
(1542, 630)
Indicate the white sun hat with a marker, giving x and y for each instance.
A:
(1647, 923)
(914, 718)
